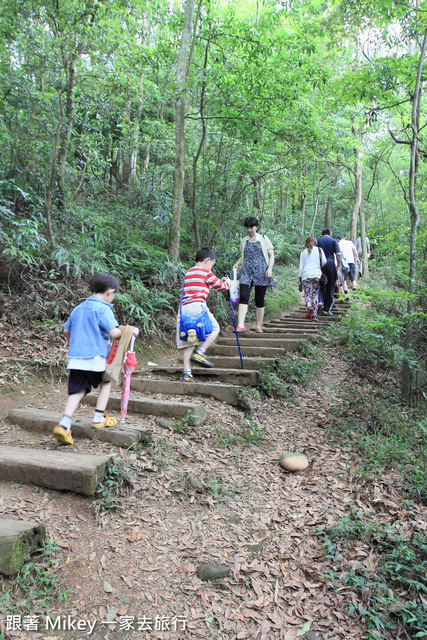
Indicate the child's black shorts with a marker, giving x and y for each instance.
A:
(79, 380)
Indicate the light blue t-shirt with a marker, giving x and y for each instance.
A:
(89, 325)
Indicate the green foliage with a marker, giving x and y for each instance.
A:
(248, 399)
(392, 583)
(222, 438)
(252, 431)
(181, 424)
(218, 486)
(372, 334)
(37, 585)
(163, 452)
(387, 435)
(119, 476)
(291, 371)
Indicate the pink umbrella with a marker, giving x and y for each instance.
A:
(129, 365)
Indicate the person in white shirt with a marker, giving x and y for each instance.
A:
(310, 270)
(349, 251)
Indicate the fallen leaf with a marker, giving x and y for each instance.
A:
(107, 587)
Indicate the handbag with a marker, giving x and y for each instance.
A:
(234, 289)
(116, 355)
(300, 286)
(323, 278)
(193, 329)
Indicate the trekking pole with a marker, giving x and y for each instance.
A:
(235, 329)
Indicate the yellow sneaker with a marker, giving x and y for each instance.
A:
(108, 421)
(62, 435)
(200, 359)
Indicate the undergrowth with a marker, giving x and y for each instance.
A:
(289, 372)
(386, 433)
(119, 476)
(37, 586)
(388, 587)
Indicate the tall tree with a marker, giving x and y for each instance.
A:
(179, 172)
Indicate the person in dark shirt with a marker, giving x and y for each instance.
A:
(332, 252)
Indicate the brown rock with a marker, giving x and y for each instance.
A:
(293, 461)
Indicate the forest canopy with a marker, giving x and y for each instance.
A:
(135, 131)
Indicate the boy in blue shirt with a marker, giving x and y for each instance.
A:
(89, 330)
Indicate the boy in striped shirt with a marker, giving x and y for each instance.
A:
(197, 283)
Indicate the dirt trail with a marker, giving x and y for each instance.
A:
(138, 565)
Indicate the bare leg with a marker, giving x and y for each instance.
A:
(209, 340)
(73, 402)
(103, 395)
(187, 353)
(259, 311)
(243, 309)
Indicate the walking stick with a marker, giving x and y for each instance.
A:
(235, 329)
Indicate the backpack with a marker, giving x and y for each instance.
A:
(344, 264)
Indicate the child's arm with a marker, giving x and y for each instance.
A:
(67, 334)
(115, 333)
(215, 283)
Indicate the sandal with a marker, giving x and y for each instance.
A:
(259, 330)
(240, 329)
(108, 421)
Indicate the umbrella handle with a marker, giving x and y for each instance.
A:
(132, 343)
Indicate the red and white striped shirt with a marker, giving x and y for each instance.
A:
(197, 283)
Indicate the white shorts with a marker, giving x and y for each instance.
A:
(193, 309)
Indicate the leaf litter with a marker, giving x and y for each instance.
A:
(260, 521)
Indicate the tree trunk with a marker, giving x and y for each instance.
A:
(303, 197)
(200, 147)
(358, 154)
(328, 207)
(407, 373)
(70, 71)
(178, 177)
(365, 265)
(51, 186)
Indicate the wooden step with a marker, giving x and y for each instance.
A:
(122, 435)
(233, 362)
(291, 332)
(289, 344)
(239, 377)
(60, 469)
(18, 540)
(222, 392)
(164, 408)
(247, 352)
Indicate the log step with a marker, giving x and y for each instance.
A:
(240, 377)
(164, 408)
(288, 344)
(18, 540)
(247, 352)
(233, 361)
(57, 469)
(121, 435)
(222, 392)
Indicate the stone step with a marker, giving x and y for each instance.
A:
(233, 362)
(300, 324)
(222, 392)
(240, 377)
(290, 340)
(291, 332)
(18, 540)
(247, 352)
(122, 435)
(59, 469)
(165, 408)
(289, 344)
